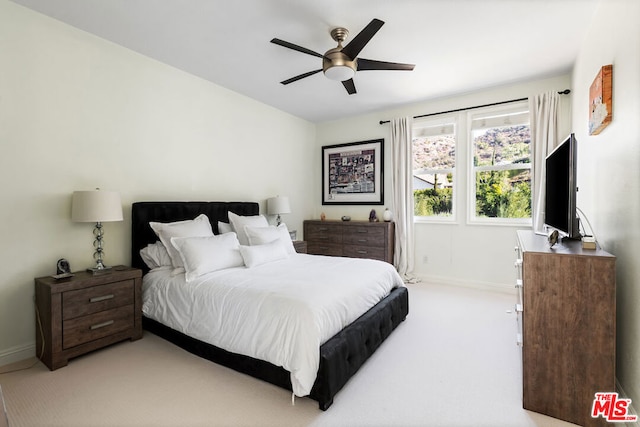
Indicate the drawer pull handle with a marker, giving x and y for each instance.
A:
(362, 231)
(102, 325)
(102, 298)
(362, 241)
(363, 252)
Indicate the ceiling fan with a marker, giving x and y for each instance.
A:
(341, 63)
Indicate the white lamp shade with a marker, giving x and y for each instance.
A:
(96, 206)
(278, 205)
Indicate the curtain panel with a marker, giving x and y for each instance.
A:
(543, 110)
(402, 195)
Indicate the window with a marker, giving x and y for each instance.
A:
(500, 180)
(495, 188)
(434, 158)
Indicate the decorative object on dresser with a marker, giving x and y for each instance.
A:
(352, 174)
(387, 215)
(356, 239)
(96, 206)
(86, 312)
(278, 205)
(566, 312)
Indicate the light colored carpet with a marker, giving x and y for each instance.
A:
(453, 362)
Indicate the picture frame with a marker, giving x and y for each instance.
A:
(600, 102)
(353, 173)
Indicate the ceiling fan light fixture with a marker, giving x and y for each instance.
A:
(339, 73)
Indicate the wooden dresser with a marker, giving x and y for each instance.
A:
(567, 326)
(355, 239)
(86, 312)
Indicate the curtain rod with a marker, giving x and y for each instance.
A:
(564, 92)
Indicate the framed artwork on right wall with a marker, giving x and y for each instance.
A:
(600, 105)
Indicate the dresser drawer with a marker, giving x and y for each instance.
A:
(364, 237)
(97, 298)
(354, 251)
(355, 239)
(94, 326)
(319, 248)
(324, 233)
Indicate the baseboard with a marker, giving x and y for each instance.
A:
(16, 354)
(631, 409)
(473, 284)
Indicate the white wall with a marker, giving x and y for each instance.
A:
(460, 253)
(77, 112)
(609, 167)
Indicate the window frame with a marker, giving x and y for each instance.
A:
(431, 122)
(521, 107)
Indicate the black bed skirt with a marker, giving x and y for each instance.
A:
(340, 357)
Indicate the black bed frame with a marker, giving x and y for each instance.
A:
(340, 357)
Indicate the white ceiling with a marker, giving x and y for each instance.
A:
(457, 45)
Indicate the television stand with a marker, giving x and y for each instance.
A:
(567, 320)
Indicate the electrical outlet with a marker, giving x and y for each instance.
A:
(425, 259)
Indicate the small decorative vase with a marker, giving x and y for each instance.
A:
(322, 216)
(386, 215)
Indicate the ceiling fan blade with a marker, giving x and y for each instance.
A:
(301, 76)
(296, 47)
(353, 48)
(371, 64)
(350, 86)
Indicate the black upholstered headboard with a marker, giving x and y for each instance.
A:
(144, 212)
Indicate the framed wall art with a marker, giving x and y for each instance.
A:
(352, 174)
(600, 104)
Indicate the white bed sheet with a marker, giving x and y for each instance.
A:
(280, 312)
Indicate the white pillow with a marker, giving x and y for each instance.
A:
(201, 255)
(262, 254)
(155, 255)
(262, 235)
(197, 227)
(239, 222)
(224, 227)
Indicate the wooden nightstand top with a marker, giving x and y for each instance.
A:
(80, 278)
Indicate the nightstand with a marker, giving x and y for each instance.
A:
(86, 312)
(300, 246)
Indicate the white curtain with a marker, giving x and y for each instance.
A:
(543, 110)
(402, 195)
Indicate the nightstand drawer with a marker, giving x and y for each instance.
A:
(94, 326)
(97, 298)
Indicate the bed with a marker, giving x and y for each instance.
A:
(340, 356)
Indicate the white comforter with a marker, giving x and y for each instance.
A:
(280, 312)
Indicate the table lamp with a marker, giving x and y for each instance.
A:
(96, 206)
(278, 205)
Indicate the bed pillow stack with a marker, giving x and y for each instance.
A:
(191, 247)
(201, 255)
(197, 227)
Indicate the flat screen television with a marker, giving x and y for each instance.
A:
(560, 211)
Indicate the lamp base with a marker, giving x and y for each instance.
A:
(100, 270)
